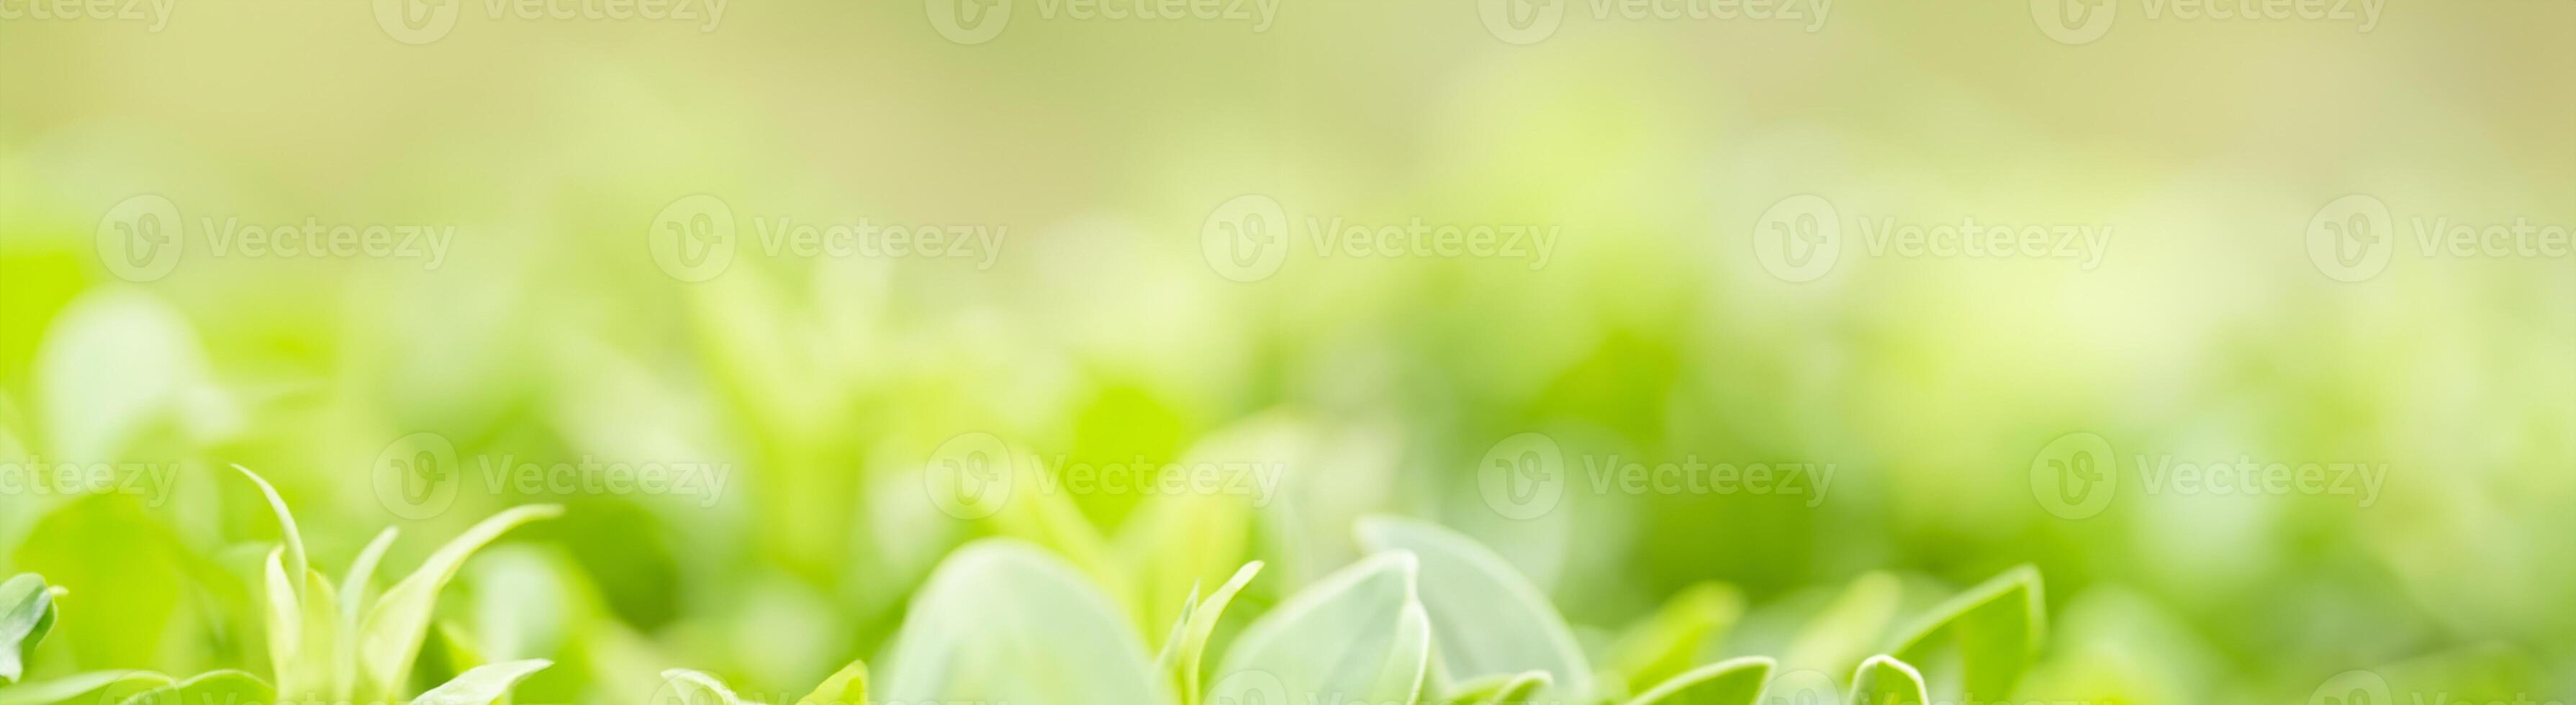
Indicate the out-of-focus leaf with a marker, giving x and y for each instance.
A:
(1489, 618)
(682, 686)
(208, 687)
(1174, 545)
(1735, 681)
(1498, 690)
(84, 689)
(1667, 643)
(391, 636)
(1994, 628)
(1884, 680)
(482, 685)
(26, 613)
(108, 552)
(1182, 658)
(1002, 621)
(114, 364)
(1359, 635)
(1836, 639)
(849, 686)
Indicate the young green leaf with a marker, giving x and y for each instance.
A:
(304, 637)
(1995, 628)
(482, 685)
(208, 687)
(1736, 681)
(1175, 545)
(681, 686)
(355, 588)
(1359, 635)
(26, 613)
(1668, 642)
(393, 630)
(291, 540)
(1500, 690)
(1004, 621)
(1198, 623)
(84, 689)
(849, 686)
(1837, 638)
(1489, 618)
(1884, 680)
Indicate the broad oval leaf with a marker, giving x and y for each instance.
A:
(1885, 680)
(1003, 621)
(1735, 681)
(482, 685)
(1359, 635)
(26, 613)
(1489, 619)
(209, 687)
(393, 630)
(1995, 629)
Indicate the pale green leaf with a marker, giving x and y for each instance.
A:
(682, 686)
(1668, 642)
(208, 687)
(1500, 690)
(26, 613)
(113, 555)
(1188, 649)
(393, 630)
(1003, 621)
(1849, 628)
(291, 540)
(90, 688)
(1358, 635)
(1489, 619)
(1735, 681)
(1993, 630)
(1885, 680)
(849, 686)
(482, 685)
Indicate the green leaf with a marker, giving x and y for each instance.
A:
(393, 630)
(1736, 681)
(1489, 619)
(291, 539)
(1003, 621)
(1885, 680)
(1836, 639)
(1668, 642)
(209, 687)
(84, 689)
(26, 613)
(1176, 544)
(1358, 635)
(355, 588)
(681, 686)
(482, 685)
(108, 552)
(1188, 647)
(849, 686)
(304, 635)
(1995, 628)
(1498, 690)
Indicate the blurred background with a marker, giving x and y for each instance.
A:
(2273, 379)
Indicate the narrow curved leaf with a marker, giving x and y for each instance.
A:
(209, 687)
(1500, 690)
(1188, 649)
(482, 685)
(26, 613)
(1489, 619)
(1995, 628)
(1884, 680)
(1736, 681)
(1004, 621)
(84, 688)
(1358, 635)
(849, 686)
(1667, 643)
(393, 630)
(1849, 628)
